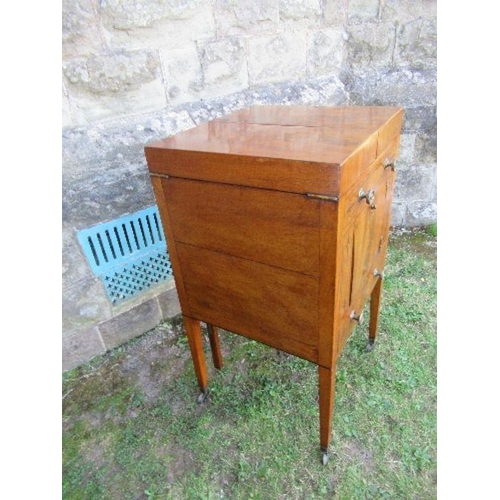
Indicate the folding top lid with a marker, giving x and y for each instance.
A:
(328, 136)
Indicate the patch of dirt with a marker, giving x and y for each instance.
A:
(360, 455)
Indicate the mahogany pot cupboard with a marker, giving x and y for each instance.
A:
(277, 222)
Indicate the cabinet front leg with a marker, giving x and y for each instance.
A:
(193, 330)
(213, 337)
(326, 402)
(374, 313)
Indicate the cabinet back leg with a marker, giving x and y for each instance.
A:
(213, 337)
(193, 330)
(374, 313)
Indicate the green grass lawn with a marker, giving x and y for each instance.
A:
(132, 428)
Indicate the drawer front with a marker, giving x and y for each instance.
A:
(272, 305)
(270, 227)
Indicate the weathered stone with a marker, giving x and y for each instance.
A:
(131, 323)
(362, 11)
(67, 118)
(398, 213)
(277, 58)
(406, 10)
(84, 304)
(420, 118)
(80, 30)
(416, 44)
(406, 149)
(234, 17)
(224, 66)
(416, 183)
(74, 264)
(203, 111)
(370, 45)
(80, 347)
(300, 13)
(169, 303)
(183, 73)
(335, 12)
(115, 84)
(401, 87)
(120, 188)
(326, 52)
(426, 147)
(420, 213)
(144, 23)
(123, 139)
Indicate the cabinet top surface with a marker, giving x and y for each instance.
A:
(304, 133)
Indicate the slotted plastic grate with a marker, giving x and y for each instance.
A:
(128, 254)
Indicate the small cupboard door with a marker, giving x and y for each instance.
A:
(363, 246)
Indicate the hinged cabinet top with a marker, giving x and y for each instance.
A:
(290, 148)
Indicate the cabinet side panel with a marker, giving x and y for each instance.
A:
(250, 296)
(159, 192)
(275, 228)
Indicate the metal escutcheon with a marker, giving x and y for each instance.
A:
(357, 317)
(369, 197)
(389, 164)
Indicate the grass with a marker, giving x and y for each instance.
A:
(132, 428)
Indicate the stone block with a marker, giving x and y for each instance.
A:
(370, 45)
(335, 12)
(80, 29)
(277, 58)
(120, 140)
(234, 17)
(67, 117)
(426, 147)
(326, 52)
(398, 213)
(131, 323)
(115, 84)
(416, 44)
(400, 87)
(420, 118)
(416, 183)
(298, 14)
(75, 267)
(169, 303)
(80, 347)
(183, 73)
(119, 188)
(224, 66)
(420, 213)
(84, 304)
(406, 149)
(359, 11)
(407, 10)
(145, 24)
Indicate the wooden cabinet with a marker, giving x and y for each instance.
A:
(277, 221)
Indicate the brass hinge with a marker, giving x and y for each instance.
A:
(322, 197)
(164, 176)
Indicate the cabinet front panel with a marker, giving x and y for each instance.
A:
(364, 243)
(250, 298)
(271, 227)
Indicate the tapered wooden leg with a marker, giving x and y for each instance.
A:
(213, 337)
(374, 313)
(193, 330)
(326, 402)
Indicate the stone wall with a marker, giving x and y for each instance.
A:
(137, 70)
